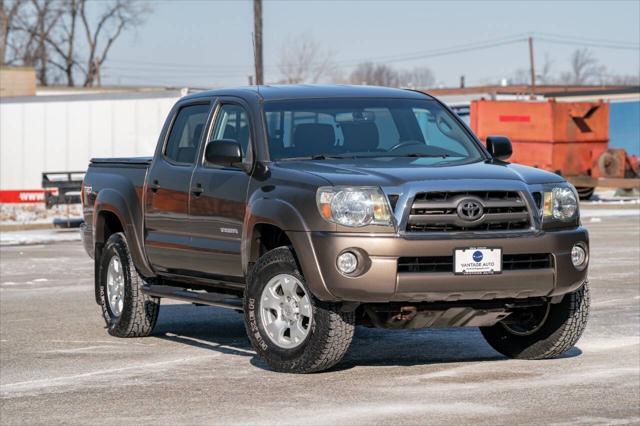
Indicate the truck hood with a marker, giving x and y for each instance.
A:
(402, 170)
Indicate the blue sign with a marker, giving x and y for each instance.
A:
(477, 256)
(624, 122)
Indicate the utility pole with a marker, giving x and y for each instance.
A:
(533, 68)
(257, 31)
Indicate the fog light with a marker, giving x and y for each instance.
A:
(578, 256)
(347, 262)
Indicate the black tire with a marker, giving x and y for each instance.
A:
(331, 330)
(585, 193)
(139, 311)
(563, 326)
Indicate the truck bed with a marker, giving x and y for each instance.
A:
(124, 180)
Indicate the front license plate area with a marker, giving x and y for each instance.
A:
(478, 261)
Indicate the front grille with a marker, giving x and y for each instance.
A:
(510, 262)
(438, 212)
(426, 264)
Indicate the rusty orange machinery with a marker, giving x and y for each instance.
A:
(569, 138)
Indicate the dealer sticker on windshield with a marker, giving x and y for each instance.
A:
(478, 261)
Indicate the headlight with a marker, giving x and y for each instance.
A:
(560, 204)
(353, 207)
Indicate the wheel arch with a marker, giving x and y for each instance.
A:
(270, 218)
(112, 214)
(282, 224)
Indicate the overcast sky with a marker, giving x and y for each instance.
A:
(208, 43)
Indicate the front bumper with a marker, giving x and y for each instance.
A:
(317, 252)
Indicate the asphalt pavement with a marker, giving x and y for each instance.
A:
(59, 365)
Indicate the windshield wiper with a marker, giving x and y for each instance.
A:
(412, 155)
(428, 155)
(353, 157)
(309, 157)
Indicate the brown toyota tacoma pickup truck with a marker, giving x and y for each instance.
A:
(313, 209)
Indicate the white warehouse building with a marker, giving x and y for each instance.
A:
(56, 133)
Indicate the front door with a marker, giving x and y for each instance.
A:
(218, 199)
(167, 238)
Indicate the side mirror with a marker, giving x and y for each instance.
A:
(499, 147)
(223, 152)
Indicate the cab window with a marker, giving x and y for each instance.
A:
(186, 132)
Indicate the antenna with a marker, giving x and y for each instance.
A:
(255, 63)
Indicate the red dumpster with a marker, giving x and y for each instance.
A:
(566, 138)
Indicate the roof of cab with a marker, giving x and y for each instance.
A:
(310, 91)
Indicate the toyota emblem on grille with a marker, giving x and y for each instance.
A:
(470, 210)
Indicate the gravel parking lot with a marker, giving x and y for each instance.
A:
(58, 364)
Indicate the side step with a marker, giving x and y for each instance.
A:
(204, 298)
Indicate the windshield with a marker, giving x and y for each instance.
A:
(352, 128)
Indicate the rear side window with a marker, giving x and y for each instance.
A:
(186, 132)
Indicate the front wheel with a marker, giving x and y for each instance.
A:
(290, 329)
(127, 311)
(542, 332)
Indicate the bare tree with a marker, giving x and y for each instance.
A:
(61, 38)
(417, 78)
(63, 42)
(545, 73)
(115, 17)
(303, 60)
(584, 68)
(9, 13)
(520, 76)
(34, 24)
(623, 80)
(373, 74)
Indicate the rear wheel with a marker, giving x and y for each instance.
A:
(541, 332)
(127, 311)
(290, 329)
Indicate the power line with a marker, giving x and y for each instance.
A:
(586, 39)
(176, 73)
(442, 51)
(208, 69)
(213, 71)
(154, 80)
(587, 44)
(181, 65)
(388, 58)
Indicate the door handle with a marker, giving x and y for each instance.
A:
(197, 190)
(154, 186)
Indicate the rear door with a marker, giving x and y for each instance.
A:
(218, 197)
(167, 239)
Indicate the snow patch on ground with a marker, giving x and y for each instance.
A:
(102, 377)
(368, 413)
(608, 344)
(22, 214)
(39, 236)
(615, 196)
(598, 213)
